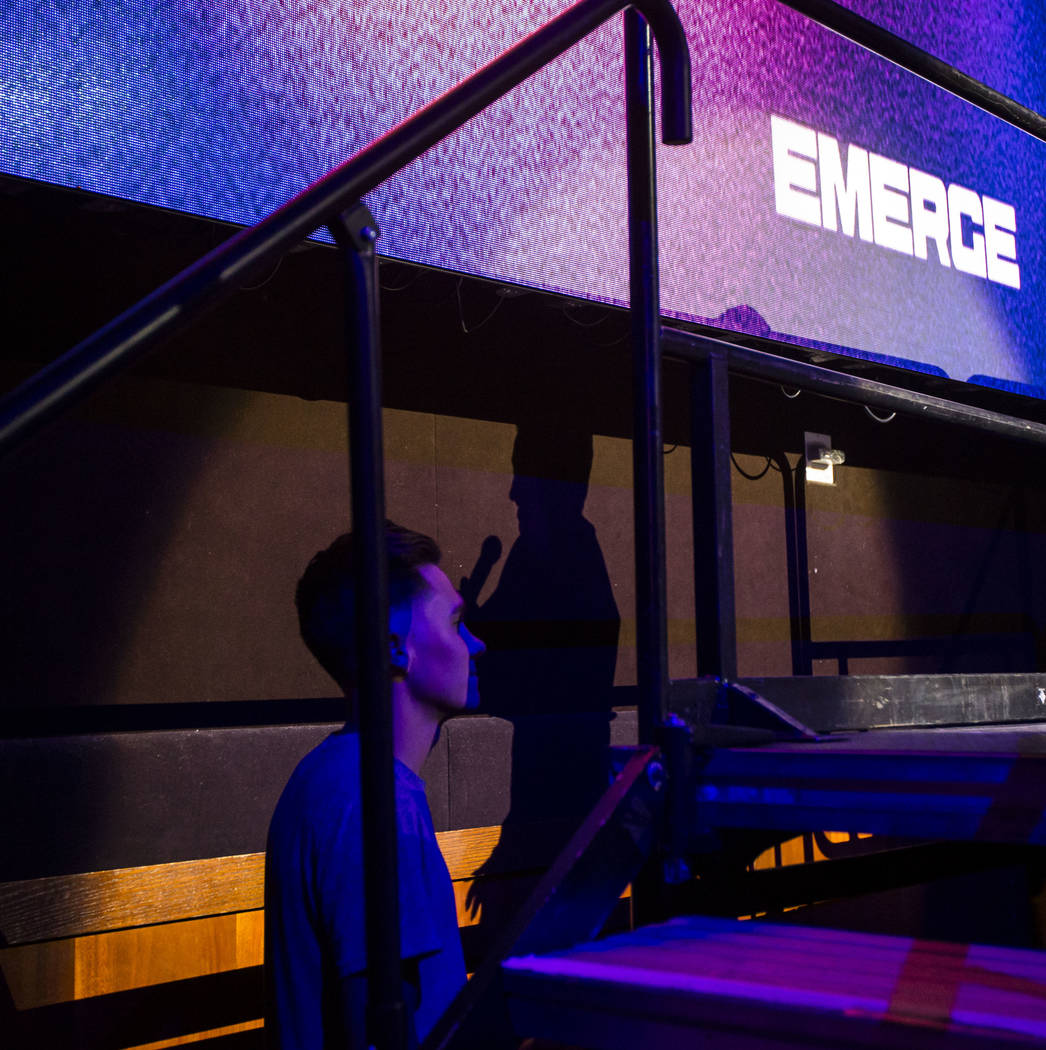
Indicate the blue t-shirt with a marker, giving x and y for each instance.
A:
(314, 907)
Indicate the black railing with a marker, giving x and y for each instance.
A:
(648, 490)
(901, 52)
(205, 284)
(335, 201)
(772, 368)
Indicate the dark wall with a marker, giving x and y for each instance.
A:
(151, 541)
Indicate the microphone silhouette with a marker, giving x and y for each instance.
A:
(471, 585)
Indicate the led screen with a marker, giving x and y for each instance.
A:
(829, 197)
(999, 42)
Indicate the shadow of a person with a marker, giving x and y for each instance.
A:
(551, 628)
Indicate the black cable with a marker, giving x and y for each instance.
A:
(751, 477)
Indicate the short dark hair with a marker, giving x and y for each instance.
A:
(326, 595)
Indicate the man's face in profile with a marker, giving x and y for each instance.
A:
(441, 651)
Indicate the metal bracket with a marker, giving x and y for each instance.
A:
(737, 705)
(355, 228)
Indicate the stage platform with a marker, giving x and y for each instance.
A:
(733, 985)
(984, 783)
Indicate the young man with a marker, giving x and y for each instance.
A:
(314, 908)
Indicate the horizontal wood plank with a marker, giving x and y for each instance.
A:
(49, 972)
(69, 905)
(93, 902)
(467, 849)
(198, 1037)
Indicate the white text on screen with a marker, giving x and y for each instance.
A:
(891, 204)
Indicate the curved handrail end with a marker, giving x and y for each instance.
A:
(677, 126)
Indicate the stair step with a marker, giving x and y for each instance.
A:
(735, 984)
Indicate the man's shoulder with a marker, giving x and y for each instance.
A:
(336, 754)
(322, 796)
(325, 782)
(333, 762)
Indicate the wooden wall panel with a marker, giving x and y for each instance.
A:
(125, 959)
(152, 953)
(39, 974)
(106, 963)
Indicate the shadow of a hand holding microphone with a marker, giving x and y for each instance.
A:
(551, 628)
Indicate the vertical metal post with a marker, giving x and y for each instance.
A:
(649, 484)
(802, 660)
(356, 231)
(713, 519)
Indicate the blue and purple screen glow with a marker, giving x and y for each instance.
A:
(229, 109)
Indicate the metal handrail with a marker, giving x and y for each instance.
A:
(882, 42)
(336, 201)
(774, 368)
(200, 287)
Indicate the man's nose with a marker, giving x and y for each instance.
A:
(476, 646)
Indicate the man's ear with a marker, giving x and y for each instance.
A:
(398, 659)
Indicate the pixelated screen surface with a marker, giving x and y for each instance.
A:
(829, 197)
(999, 43)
